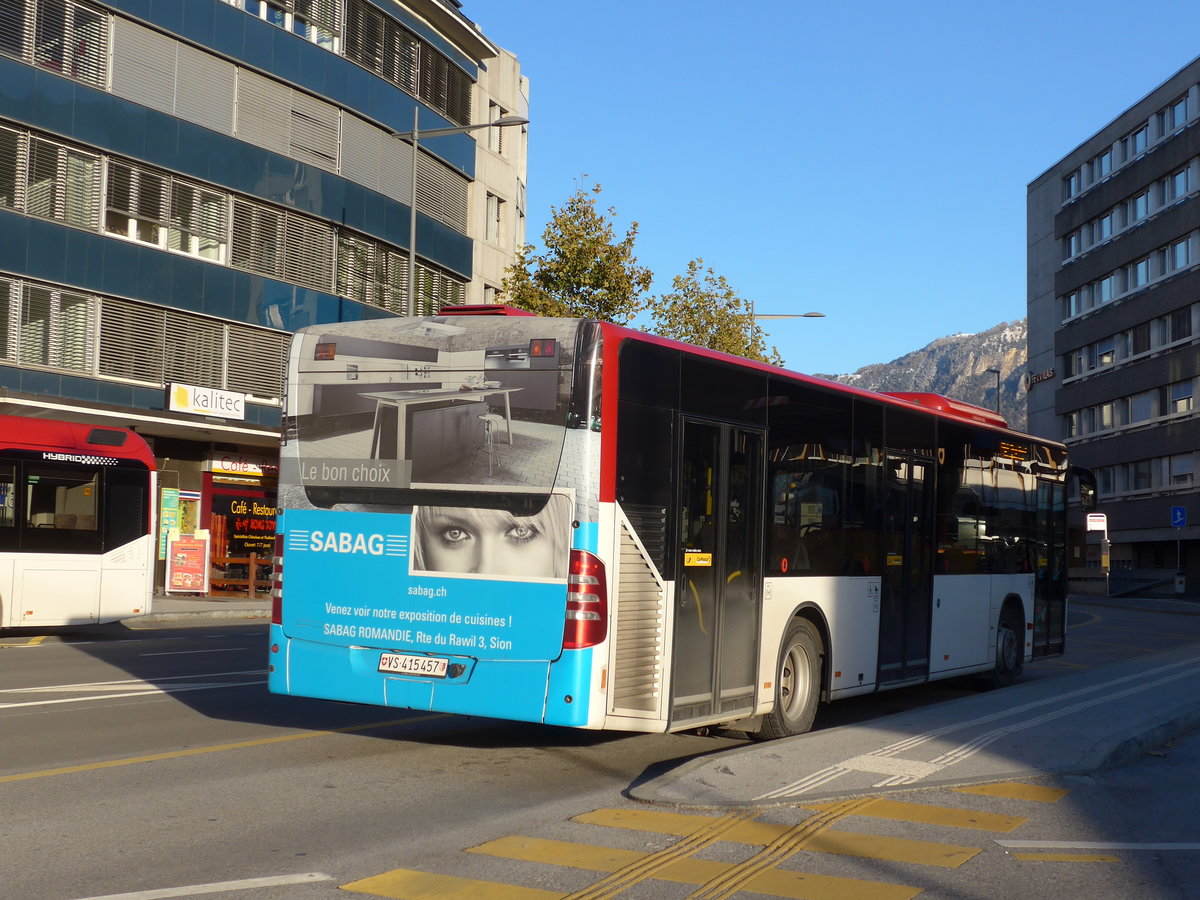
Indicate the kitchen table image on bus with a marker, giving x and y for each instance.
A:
(569, 522)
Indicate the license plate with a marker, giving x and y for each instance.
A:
(429, 666)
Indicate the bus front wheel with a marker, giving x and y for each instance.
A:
(1009, 655)
(797, 682)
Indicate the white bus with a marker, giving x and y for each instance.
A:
(570, 522)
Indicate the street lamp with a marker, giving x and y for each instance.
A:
(996, 372)
(414, 137)
(807, 315)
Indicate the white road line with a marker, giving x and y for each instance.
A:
(186, 652)
(134, 687)
(215, 887)
(1094, 845)
(970, 748)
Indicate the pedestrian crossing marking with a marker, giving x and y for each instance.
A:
(409, 884)
(901, 811)
(774, 882)
(1016, 790)
(844, 843)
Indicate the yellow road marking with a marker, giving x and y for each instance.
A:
(412, 885)
(776, 882)
(1066, 857)
(1015, 790)
(844, 843)
(705, 831)
(896, 810)
(32, 642)
(197, 751)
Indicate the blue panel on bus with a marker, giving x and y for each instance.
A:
(349, 579)
(496, 689)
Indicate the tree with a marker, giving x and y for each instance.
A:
(703, 308)
(583, 271)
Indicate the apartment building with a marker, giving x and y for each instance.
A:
(1114, 329)
(183, 184)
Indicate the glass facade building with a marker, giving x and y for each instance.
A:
(183, 184)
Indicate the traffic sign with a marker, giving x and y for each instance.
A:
(1097, 522)
(1179, 516)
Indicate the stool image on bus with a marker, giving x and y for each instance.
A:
(491, 421)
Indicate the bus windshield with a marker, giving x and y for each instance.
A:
(452, 410)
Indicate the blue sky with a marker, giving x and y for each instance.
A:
(865, 160)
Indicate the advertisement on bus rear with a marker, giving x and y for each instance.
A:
(444, 580)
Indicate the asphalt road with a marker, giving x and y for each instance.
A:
(152, 763)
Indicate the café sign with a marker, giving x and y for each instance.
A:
(202, 401)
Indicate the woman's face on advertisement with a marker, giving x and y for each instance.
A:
(489, 542)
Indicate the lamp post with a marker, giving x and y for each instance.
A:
(996, 372)
(414, 137)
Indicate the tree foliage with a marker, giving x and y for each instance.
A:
(703, 308)
(583, 270)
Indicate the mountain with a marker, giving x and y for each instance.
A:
(957, 366)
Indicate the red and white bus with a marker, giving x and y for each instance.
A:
(76, 523)
(570, 522)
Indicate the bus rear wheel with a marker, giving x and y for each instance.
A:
(797, 682)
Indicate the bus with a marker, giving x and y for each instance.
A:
(568, 522)
(76, 523)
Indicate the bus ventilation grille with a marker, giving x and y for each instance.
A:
(640, 631)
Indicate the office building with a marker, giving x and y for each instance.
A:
(183, 184)
(1114, 329)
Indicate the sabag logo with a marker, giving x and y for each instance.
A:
(348, 542)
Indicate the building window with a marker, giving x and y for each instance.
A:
(52, 328)
(1178, 184)
(494, 226)
(1138, 274)
(1106, 352)
(317, 21)
(1180, 468)
(1071, 185)
(1139, 207)
(1106, 289)
(63, 36)
(1181, 324)
(1136, 142)
(1180, 255)
(1102, 166)
(156, 209)
(495, 136)
(1104, 228)
(1174, 116)
(1071, 246)
(63, 184)
(1177, 398)
(136, 205)
(1141, 407)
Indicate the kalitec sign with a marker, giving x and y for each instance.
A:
(202, 401)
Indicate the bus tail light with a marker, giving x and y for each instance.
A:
(277, 582)
(587, 602)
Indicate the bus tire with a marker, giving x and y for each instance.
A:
(1009, 658)
(797, 682)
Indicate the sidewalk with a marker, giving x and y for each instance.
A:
(1073, 724)
(174, 607)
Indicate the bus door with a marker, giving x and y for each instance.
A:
(719, 585)
(906, 591)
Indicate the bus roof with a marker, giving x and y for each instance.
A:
(27, 433)
(937, 404)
